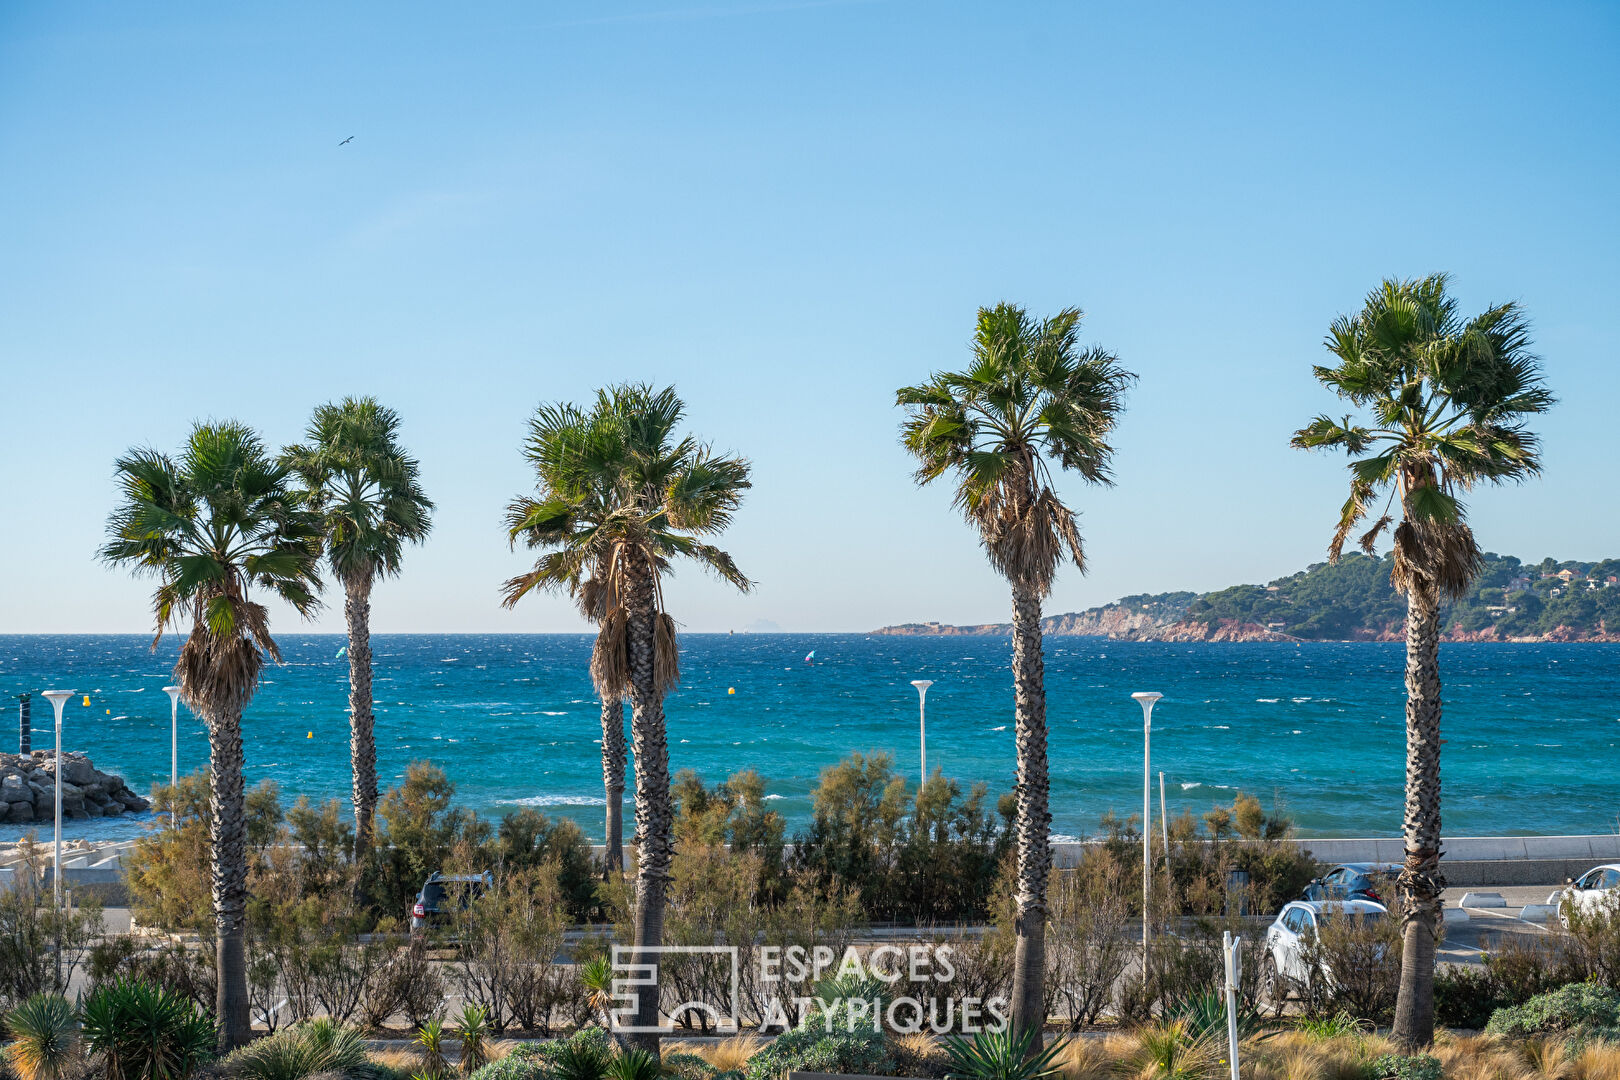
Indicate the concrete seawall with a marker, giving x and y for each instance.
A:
(1466, 860)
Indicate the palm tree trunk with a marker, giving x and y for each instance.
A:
(228, 836)
(362, 737)
(654, 814)
(1033, 824)
(1420, 883)
(613, 779)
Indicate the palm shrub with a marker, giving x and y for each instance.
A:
(620, 497)
(581, 1059)
(45, 1038)
(222, 518)
(1030, 399)
(366, 489)
(430, 1037)
(1446, 402)
(471, 1029)
(146, 1032)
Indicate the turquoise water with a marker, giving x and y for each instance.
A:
(1531, 729)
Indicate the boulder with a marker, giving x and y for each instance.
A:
(13, 789)
(18, 813)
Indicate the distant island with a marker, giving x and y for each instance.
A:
(1353, 601)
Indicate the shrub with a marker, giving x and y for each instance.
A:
(1404, 1067)
(40, 945)
(811, 1049)
(635, 1065)
(1086, 948)
(46, 1038)
(1355, 965)
(1574, 1008)
(145, 1032)
(301, 1051)
(430, 1037)
(1465, 997)
(509, 938)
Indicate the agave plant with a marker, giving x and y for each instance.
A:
(145, 1032)
(472, 1030)
(1002, 1055)
(582, 1059)
(635, 1064)
(1172, 1051)
(430, 1037)
(1204, 1016)
(46, 1038)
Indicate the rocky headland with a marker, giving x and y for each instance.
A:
(28, 789)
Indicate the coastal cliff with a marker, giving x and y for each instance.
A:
(1352, 600)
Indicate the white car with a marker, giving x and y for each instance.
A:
(1288, 938)
(1592, 892)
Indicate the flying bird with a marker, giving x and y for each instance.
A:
(350, 139)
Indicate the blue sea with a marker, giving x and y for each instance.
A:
(1316, 729)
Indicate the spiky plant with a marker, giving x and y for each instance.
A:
(620, 498)
(430, 1037)
(1003, 1055)
(212, 525)
(45, 1038)
(1032, 398)
(146, 1032)
(367, 490)
(1444, 405)
(471, 1029)
(635, 1064)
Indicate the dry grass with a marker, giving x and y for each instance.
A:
(402, 1060)
(733, 1053)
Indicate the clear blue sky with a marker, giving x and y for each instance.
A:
(788, 210)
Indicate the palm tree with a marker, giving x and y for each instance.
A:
(1031, 395)
(1446, 401)
(211, 525)
(570, 451)
(619, 499)
(365, 487)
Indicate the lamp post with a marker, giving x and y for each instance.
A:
(174, 752)
(922, 686)
(1146, 699)
(58, 698)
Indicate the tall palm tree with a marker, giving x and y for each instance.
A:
(619, 499)
(1446, 402)
(570, 451)
(366, 489)
(1031, 396)
(210, 526)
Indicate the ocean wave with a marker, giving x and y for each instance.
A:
(1190, 784)
(1267, 700)
(769, 797)
(555, 800)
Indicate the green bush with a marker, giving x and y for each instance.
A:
(685, 1066)
(1405, 1067)
(811, 1049)
(1465, 997)
(538, 1060)
(1578, 1007)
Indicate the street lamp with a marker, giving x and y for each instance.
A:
(922, 686)
(1146, 699)
(174, 752)
(58, 698)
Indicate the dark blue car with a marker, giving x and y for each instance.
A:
(1356, 881)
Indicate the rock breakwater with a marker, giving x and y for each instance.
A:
(28, 789)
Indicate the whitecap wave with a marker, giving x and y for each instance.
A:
(555, 800)
(770, 797)
(1190, 784)
(1267, 700)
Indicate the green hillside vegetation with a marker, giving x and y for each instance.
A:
(1354, 599)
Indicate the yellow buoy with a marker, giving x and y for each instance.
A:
(731, 689)
(87, 701)
(109, 712)
(311, 735)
